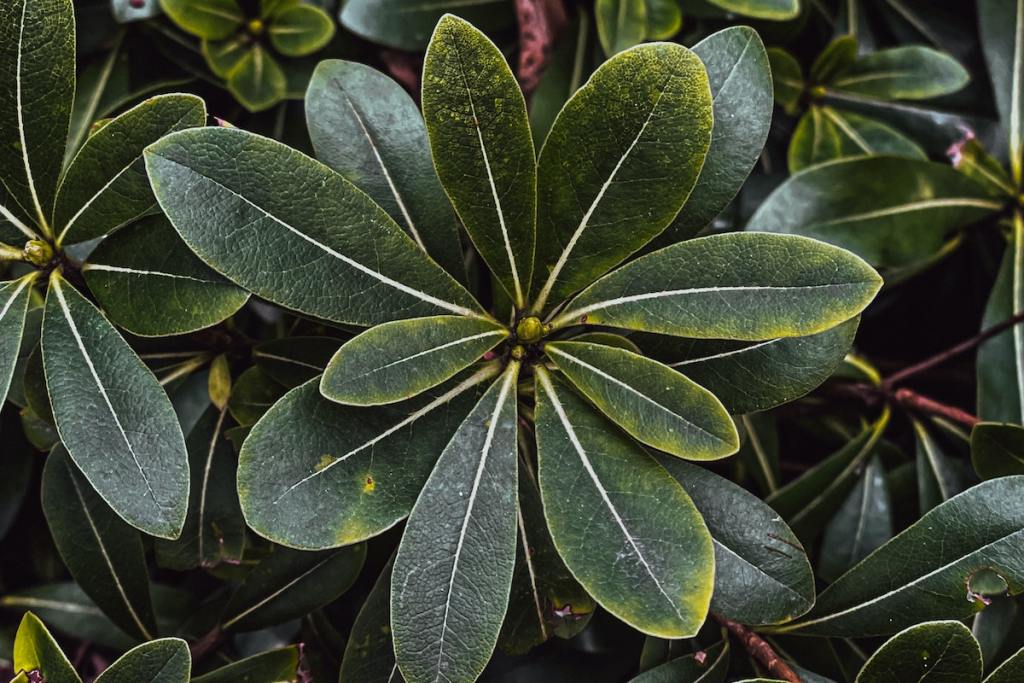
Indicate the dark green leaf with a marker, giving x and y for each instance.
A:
(113, 416)
(837, 56)
(104, 555)
(940, 476)
(762, 575)
(569, 64)
(14, 298)
(369, 653)
(106, 186)
(300, 29)
(888, 210)
(933, 651)
(710, 668)
(37, 87)
(257, 80)
(862, 524)
(825, 134)
(454, 566)
(618, 164)
(211, 19)
(997, 450)
(773, 10)
(160, 661)
(36, 650)
(545, 600)
(290, 583)
(810, 500)
(274, 666)
(368, 129)
(214, 530)
(621, 24)
(999, 22)
(314, 474)
(746, 286)
(1001, 358)
(664, 19)
(252, 395)
(749, 377)
(926, 571)
(653, 403)
(787, 79)
(741, 89)
(910, 72)
(482, 149)
(149, 283)
(249, 227)
(1009, 671)
(292, 361)
(70, 611)
(408, 24)
(398, 360)
(627, 531)
(16, 469)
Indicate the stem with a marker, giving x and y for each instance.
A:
(760, 650)
(954, 351)
(919, 403)
(207, 644)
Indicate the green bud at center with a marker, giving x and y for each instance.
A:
(38, 253)
(531, 329)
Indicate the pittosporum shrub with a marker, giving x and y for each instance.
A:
(507, 385)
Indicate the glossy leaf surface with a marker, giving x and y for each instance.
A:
(933, 651)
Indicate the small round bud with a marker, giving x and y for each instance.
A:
(530, 329)
(38, 253)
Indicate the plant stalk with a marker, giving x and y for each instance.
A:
(759, 649)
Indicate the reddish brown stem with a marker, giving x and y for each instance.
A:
(952, 352)
(760, 650)
(923, 404)
(207, 644)
(539, 23)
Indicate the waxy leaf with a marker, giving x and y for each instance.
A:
(480, 139)
(773, 10)
(752, 376)
(454, 566)
(1001, 358)
(291, 583)
(618, 164)
(925, 572)
(625, 529)
(314, 474)
(911, 72)
(160, 661)
(210, 19)
(710, 667)
(149, 283)
(70, 611)
(1009, 671)
(300, 29)
(997, 450)
(106, 185)
(746, 286)
(214, 529)
(545, 599)
(933, 651)
(890, 211)
(809, 501)
(787, 79)
(113, 416)
(862, 524)
(939, 475)
(273, 666)
(825, 133)
(104, 555)
(291, 361)
(36, 650)
(254, 227)
(398, 360)
(252, 395)
(837, 56)
(1000, 22)
(408, 24)
(653, 403)
(368, 129)
(664, 19)
(762, 575)
(621, 24)
(741, 89)
(257, 80)
(37, 86)
(369, 653)
(14, 298)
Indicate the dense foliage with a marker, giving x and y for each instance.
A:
(640, 340)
